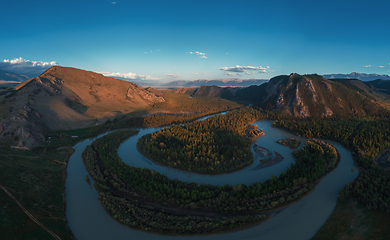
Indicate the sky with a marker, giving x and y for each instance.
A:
(202, 39)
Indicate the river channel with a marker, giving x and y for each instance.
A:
(87, 218)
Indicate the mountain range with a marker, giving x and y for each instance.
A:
(68, 98)
(8, 79)
(305, 96)
(230, 82)
(359, 76)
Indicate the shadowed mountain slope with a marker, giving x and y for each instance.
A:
(381, 85)
(303, 96)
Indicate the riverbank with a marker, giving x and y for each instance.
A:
(159, 196)
(216, 145)
(109, 228)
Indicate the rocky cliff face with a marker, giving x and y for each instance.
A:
(314, 96)
(301, 96)
(134, 91)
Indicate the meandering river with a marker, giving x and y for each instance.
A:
(301, 220)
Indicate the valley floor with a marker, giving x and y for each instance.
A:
(350, 220)
(38, 186)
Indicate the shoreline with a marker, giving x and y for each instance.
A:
(300, 191)
(71, 151)
(278, 209)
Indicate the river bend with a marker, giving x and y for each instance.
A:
(87, 218)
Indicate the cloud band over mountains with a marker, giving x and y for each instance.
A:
(239, 69)
(26, 67)
(130, 76)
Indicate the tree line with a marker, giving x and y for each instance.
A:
(211, 146)
(364, 137)
(124, 187)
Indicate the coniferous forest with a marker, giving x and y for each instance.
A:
(212, 146)
(145, 199)
(366, 139)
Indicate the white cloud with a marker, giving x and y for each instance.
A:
(172, 75)
(202, 55)
(366, 66)
(243, 68)
(381, 66)
(23, 66)
(113, 3)
(130, 75)
(227, 53)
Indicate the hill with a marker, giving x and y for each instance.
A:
(66, 98)
(303, 96)
(315, 96)
(381, 85)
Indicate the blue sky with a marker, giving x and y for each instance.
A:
(154, 39)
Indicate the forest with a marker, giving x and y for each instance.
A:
(127, 192)
(372, 188)
(212, 146)
(365, 138)
(289, 142)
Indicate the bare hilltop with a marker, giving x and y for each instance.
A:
(66, 98)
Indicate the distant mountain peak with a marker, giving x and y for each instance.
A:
(227, 82)
(11, 79)
(359, 76)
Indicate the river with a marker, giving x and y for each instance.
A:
(88, 220)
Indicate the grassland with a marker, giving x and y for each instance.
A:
(351, 220)
(35, 178)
